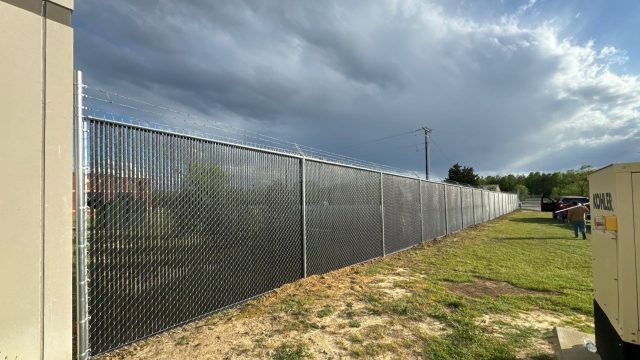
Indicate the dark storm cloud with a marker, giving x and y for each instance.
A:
(500, 97)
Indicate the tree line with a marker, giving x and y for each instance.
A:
(554, 185)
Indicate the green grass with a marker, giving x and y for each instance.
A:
(290, 351)
(325, 311)
(296, 306)
(182, 340)
(527, 250)
(548, 270)
(354, 323)
(424, 313)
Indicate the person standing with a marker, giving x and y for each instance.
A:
(575, 215)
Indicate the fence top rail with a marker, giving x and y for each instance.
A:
(248, 147)
(270, 151)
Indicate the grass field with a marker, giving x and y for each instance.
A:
(493, 291)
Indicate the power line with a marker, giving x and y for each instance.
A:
(419, 146)
(440, 150)
(379, 139)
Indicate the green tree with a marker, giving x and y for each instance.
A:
(541, 183)
(508, 183)
(464, 175)
(573, 182)
(556, 184)
(490, 180)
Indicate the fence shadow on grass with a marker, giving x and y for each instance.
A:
(568, 237)
(543, 221)
(549, 221)
(537, 220)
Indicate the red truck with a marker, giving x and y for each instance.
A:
(552, 206)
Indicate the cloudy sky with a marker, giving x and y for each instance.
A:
(506, 86)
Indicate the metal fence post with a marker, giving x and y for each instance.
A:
(80, 155)
(382, 212)
(446, 216)
(421, 212)
(473, 207)
(304, 216)
(482, 217)
(461, 207)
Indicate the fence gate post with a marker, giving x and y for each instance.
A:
(304, 216)
(384, 253)
(80, 158)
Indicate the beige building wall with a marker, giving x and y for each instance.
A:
(36, 118)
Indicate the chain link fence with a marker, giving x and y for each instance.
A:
(343, 219)
(402, 225)
(181, 227)
(486, 206)
(477, 206)
(434, 218)
(454, 208)
(178, 227)
(467, 206)
(531, 202)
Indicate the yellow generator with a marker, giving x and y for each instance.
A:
(615, 237)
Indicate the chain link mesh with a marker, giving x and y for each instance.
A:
(402, 226)
(477, 206)
(454, 209)
(467, 206)
(344, 220)
(504, 203)
(433, 206)
(486, 206)
(492, 206)
(180, 227)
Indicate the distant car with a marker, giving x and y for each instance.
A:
(549, 205)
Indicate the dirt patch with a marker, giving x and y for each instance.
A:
(430, 326)
(483, 287)
(539, 320)
(326, 313)
(543, 322)
(336, 336)
(389, 285)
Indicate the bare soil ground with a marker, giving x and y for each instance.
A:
(294, 313)
(484, 287)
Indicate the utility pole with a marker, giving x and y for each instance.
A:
(427, 131)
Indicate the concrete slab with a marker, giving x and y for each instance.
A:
(570, 344)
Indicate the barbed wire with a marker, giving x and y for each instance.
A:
(220, 126)
(103, 115)
(195, 124)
